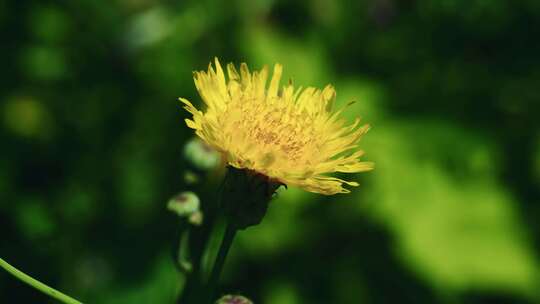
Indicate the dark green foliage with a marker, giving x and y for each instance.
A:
(92, 148)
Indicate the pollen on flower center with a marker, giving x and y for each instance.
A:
(278, 132)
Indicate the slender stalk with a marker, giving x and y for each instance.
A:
(228, 238)
(37, 284)
(198, 242)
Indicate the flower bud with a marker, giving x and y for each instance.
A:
(190, 178)
(196, 218)
(184, 204)
(234, 299)
(201, 155)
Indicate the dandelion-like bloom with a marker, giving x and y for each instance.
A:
(290, 135)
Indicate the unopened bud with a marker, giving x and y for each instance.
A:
(234, 299)
(201, 155)
(196, 218)
(190, 177)
(184, 204)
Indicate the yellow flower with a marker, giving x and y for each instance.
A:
(290, 135)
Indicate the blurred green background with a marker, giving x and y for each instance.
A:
(92, 137)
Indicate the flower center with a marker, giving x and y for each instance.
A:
(273, 133)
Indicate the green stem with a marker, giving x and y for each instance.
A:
(228, 238)
(37, 284)
(193, 292)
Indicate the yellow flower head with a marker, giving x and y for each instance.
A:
(290, 135)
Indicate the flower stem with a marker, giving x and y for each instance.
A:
(37, 284)
(228, 237)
